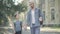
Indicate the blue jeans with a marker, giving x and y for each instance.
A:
(35, 30)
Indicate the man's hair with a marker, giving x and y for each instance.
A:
(31, 1)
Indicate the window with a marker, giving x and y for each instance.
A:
(52, 3)
(52, 14)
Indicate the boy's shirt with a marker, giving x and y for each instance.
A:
(17, 25)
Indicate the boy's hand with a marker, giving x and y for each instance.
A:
(25, 27)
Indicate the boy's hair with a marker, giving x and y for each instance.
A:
(15, 15)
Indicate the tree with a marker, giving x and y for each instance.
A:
(7, 8)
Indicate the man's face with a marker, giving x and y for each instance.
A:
(31, 4)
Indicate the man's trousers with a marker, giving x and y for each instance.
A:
(35, 30)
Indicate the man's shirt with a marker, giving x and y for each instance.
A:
(33, 16)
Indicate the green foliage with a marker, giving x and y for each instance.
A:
(20, 7)
(4, 18)
(8, 8)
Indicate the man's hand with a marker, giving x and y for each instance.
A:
(40, 19)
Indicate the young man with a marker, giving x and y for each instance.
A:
(17, 24)
(34, 16)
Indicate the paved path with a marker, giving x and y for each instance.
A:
(28, 32)
(44, 31)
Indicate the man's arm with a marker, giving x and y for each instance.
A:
(28, 19)
(40, 15)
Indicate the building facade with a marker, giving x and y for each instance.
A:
(51, 11)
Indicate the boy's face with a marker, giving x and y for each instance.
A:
(17, 16)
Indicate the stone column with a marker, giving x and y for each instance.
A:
(57, 12)
(38, 3)
(47, 12)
